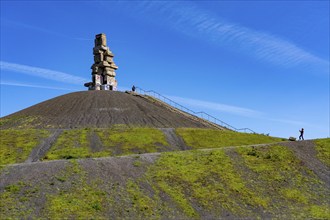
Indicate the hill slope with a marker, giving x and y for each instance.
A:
(31, 145)
(217, 176)
(98, 109)
(270, 181)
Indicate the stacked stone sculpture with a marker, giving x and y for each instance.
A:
(103, 69)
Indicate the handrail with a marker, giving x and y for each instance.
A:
(203, 115)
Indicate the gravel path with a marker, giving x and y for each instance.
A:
(40, 151)
(95, 142)
(174, 140)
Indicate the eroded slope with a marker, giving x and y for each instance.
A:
(241, 182)
(97, 109)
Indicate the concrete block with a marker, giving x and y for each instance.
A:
(98, 57)
(108, 58)
(100, 40)
(108, 53)
(95, 69)
(104, 63)
(105, 87)
(114, 66)
(111, 80)
(110, 73)
(98, 80)
(100, 71)
(97, 50)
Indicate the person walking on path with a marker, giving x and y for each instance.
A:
(133, 88)
(301, 134)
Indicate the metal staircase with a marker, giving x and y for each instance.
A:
(202, 115)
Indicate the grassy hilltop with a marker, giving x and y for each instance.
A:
(211, 174)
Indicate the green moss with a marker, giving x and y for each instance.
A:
(266, 159)
(320, 211)
(13, 188)
(119, 140)
(295, 195)
(244, 182)
(81, 200)
(13, 201)
(210, 138)
(277, 175)
(124, 140)
(70, 144)
(142, 204)
(323, 149)
(16, 145)
(21, 121)
(72, 196)
(206, 178)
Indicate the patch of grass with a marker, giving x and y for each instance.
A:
(278, 175)
(269, 183)
(71, 144)
(12, 188)
(13, 198)
(198, 138)
(16, 145)
(124, 140)
(295, 195)
(323, 149)
(320, 211)
(137, 163)
(20, 122)
(81, 200)
(205, 179)
(265, 159)
(142, 204)
(119, 140)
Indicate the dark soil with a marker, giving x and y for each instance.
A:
(99, 109)
(305, 151)
(95, 142)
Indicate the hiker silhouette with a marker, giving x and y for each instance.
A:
(301, 137)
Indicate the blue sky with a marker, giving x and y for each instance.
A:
(257, 64)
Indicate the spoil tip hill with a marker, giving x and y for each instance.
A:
(100, 109)
(67, 163)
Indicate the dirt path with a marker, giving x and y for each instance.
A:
(174, 140)
(41, 150)
(95, 142)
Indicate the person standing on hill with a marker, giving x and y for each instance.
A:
(301, 134)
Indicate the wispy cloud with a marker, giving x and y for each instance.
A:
(203, 105)
(43, 73)
(6, 83)
(288, 121)
(194, 21)
(42, 30)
